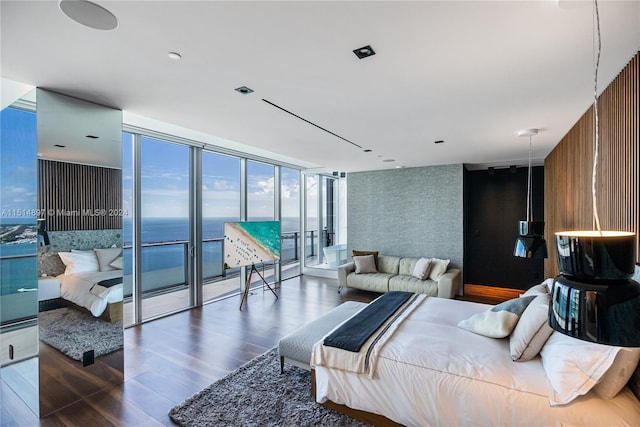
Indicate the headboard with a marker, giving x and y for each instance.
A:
(50, 264)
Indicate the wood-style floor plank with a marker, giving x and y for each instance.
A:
(172, 358)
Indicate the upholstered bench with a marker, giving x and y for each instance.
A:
(296, 347)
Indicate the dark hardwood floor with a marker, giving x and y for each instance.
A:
(170, 359)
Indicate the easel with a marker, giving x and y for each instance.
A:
(247, 284)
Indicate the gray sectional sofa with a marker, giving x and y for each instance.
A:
(395, 274)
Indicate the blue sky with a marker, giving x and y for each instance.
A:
(165, 180)
(165, 183)
(18, 163)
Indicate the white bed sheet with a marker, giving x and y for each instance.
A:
(434, 374)
(75, 288)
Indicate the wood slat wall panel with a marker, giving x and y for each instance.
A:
(72, 196)
(568, 168)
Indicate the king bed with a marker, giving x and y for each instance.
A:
(88, 290)
(428, 371)
(92, 280)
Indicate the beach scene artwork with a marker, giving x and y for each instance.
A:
(251, 242)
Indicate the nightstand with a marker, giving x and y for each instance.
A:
(48, 288)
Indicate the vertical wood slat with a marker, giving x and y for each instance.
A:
(73, 196)
(568, 203)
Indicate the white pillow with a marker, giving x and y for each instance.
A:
(365, 264)
(422, 268)
(106, 257)
(573, 366)
(117, 263)
(79, 261)
(499, 321)
(532, 330)
(438, 268)
(542, 288)
(619, 373)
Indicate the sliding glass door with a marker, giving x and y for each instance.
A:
(176, 199)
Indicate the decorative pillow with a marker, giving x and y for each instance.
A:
(499, 321)
(79, 261)
(542, 288)
(422, 268)
(106, 257)
(363, 253)
(619, 373)
(438, 268)
(573, 367)
(117, 263)
(365, 264)
(532, 330)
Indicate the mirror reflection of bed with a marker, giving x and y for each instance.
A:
(80, 269)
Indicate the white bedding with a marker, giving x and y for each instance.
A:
(432, 373)
(76, 288)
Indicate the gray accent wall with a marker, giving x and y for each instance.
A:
(407, 212)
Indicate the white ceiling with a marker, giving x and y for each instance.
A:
(469, 73)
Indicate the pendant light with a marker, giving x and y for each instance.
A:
(594, 298)
(530, 243)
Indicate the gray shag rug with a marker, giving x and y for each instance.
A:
(73, 332)
(256, 394)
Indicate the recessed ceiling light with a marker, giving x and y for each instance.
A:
(59, 145)
(92, 136)
(363, 52)
(440, 141)
(244, 90)
(175, 56)
(367, 150)
(388, 160)
(89, 14)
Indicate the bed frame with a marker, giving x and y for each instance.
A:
(356, 414)
(113, 313)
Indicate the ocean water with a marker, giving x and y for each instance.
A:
(165, 264)
(169, 257)
(18, 249)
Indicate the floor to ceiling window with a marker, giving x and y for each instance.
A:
(164, 211)
(261, 199)
(220, 203)
(161, 179)
(290, 222)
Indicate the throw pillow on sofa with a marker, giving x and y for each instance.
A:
(365, 264)
(362, 253)
(422, 268)
(438, 268)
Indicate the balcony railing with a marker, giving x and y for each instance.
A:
(165, 264)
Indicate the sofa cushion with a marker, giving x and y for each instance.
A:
(407, 265)
(376, 282)
(388, 264)
(365, 264)
(406, 283)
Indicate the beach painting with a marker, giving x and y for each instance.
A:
(251, 242)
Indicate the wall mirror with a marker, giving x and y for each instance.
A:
(18, 248)
(79, 204)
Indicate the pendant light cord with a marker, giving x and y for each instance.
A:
(595, 114)
(529, 208)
